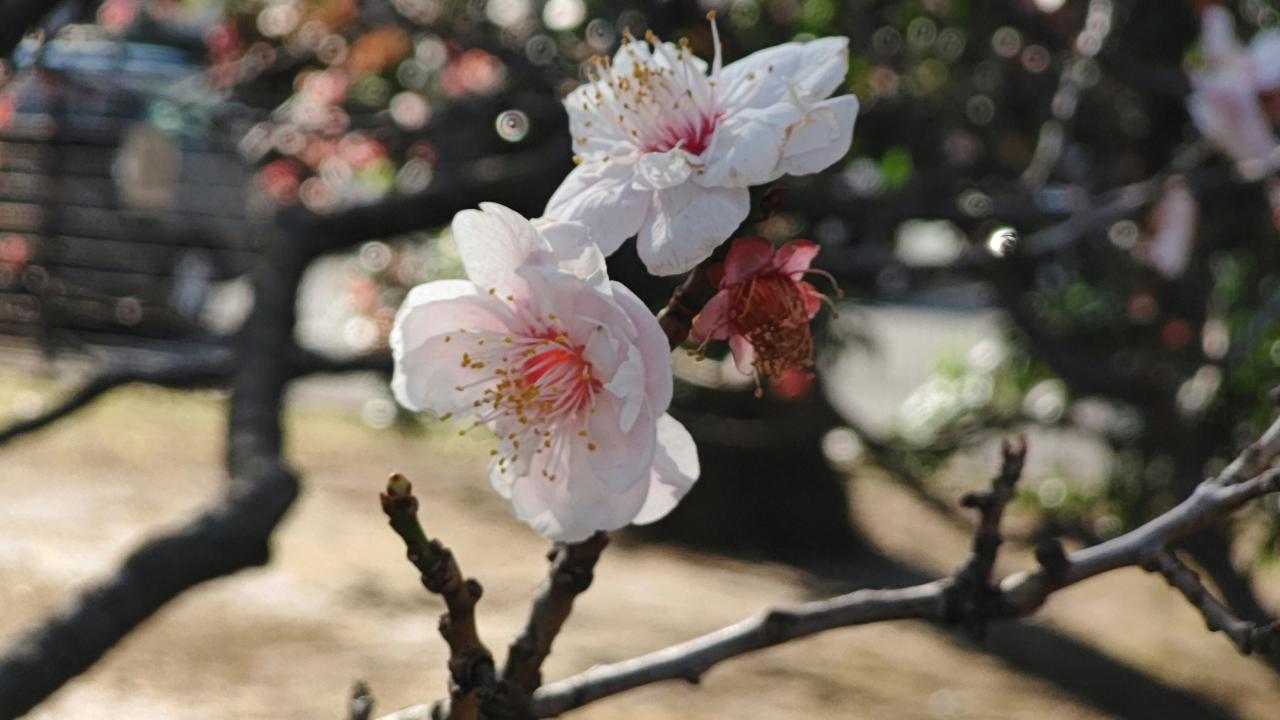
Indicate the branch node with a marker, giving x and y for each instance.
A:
(361, 707)
(1248, 637)
(471, 666)
(572, 572)
(970, 599)
(1052, 557)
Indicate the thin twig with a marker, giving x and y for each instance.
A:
(186, 374)
(1020, 594)
(231, 534)
(686, 302)
(572, 570)
(972, 599)
(361, 706)
(471, 666)
(690, 660)
(1249, 637)
(182, 374)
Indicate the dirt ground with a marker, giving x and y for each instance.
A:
(338, 602)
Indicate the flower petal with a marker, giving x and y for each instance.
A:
(443, 307)
(1264, 56)
(431, 376)
(1173, 229)
(655, 349)
(744, 354)
(1218, 38)
(747, 256)
(493, 242)
(821, 138)
(600, 195)
(812, 299)
(661, 170)
(420, 324)
(620, 455)
(811, 70)
(795, 257)
(675, 469)
(687, 224)
(574, 252)
(747, 146)
(627, 385)
(578, 310)
(1228, 114)
(712, 323)
(573, 505)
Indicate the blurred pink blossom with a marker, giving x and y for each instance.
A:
(1226, 99)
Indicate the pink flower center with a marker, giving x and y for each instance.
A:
(658, 98)
(561, 378)
(692, 137)
(536, 388)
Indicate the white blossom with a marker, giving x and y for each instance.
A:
(667, 151)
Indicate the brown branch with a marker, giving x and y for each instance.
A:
(233, 533)
(361, 705)
(521, 181)
(182, 374)
(991, 505)
(572, 570)
(471, 668)
(971, 598)
(686, 302)
(186, 374)
(1249, 637)
(1019, 594)
(690, 660)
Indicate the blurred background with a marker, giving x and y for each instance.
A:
(173, 172)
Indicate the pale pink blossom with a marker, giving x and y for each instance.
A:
(763, 306)
(1226, 100)
(667, 152)
(569, 370)
(1173, 225)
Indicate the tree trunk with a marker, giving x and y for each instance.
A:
(766, 488)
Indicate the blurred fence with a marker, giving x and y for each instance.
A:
(116, 220)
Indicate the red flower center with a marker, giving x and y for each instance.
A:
(693, 137)
(770, 311)
(557, 378)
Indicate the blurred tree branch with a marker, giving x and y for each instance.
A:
(184, 374)
(233, 533)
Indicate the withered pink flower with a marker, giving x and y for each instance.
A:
(569, 370)
(763, 306)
